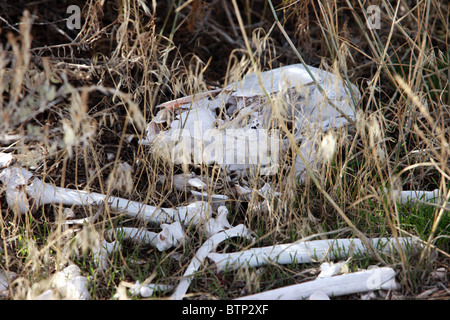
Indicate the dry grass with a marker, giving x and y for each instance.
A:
(74, 104)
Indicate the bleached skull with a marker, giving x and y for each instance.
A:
(244, 125)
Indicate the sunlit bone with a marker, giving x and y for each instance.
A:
(170, 236)
(304, 252)
(24, 193)
(208, 246)
(363, 281)
(237, 127)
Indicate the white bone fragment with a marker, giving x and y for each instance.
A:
(47, 295)
(170, 236)
(6, 277)
(197, 183)
(204, 196)
(415, 196)
(189, 130)
(303, 252)
(266, 192)
(368, 296)
(329, 269)
(5, 159)
(80, 222)
(25, 192)
(220, 223)
(439, 274)
(180, 181)
(68, 213)
(70, 284)
(208, 246)
(243, 192)
(194, 213)
(102, 251)
(363, 281)
(17, 197)
(110, 156)
(147, 290)
(319, 295)
(222, 213)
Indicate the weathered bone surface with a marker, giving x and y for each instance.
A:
(220, 223)
(47, 295)
(170, 236)
(363, 281)
(208, 246)
(416, 196)
(237, 127)
(5, 159)
(147, 290)
(303, 252)
(183, 181)
(266, 195)
(24, 192)
(102, 251)
(331, 269)
(319, 295)
(6, 277)
(71, 284)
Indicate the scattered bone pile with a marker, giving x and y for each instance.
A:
(244, 115)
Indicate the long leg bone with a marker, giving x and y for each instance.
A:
(302, 252)
(363, 281)
(25, 192)
(415, 196)
(200, 255)
(170, 236)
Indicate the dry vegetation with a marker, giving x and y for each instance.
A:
(74, 104)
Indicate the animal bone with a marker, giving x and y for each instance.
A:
(47, 295)
(266, 192)
(70, 284)
(363, 281)
(319, 295)
(102, 251)
(331, 269)
(204, 196)
(6, 277)
(220, 223)
(183, 181)
(147, 290)
(169, 237)
(415, 196)
(24, 192)
(302, 252)
(208, 246)
(5, 159)
(236, 127)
